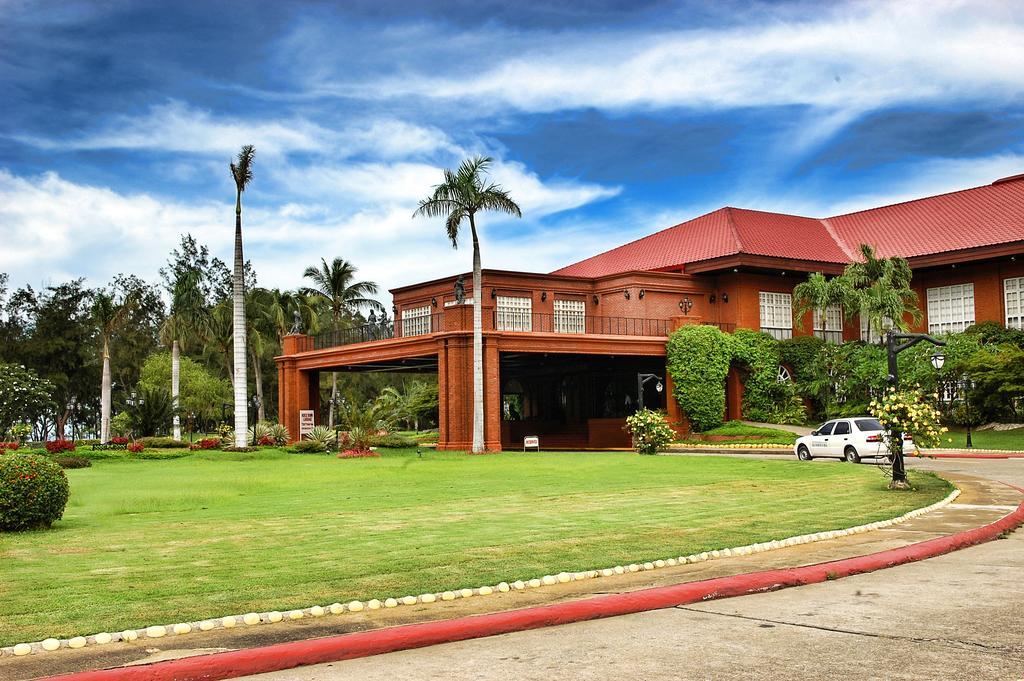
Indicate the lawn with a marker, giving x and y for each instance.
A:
(986, 439)
(750, 434)
(161, 541)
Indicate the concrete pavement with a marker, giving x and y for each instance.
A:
(954, 616)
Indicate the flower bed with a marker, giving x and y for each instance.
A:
(206, 443)
(356, 453)
(58, 446)
(136, 447)
(9, 446)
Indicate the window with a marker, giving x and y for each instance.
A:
(873, 334)
(1012, 291)
(868, 425)
(827, 428)
(777, 314)
(514, 314)
(416, 321)
(950, 308)
(842, 428)
(570, 316)
(829, 325)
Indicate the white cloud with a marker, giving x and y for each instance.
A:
(855, 57)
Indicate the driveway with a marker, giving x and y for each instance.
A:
(955, 616)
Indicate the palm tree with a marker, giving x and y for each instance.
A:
(242, 172)
(880, 287)
(460, 197)
(818, 293)
(183, 325)
(109, 317)
(281, 307)
(335, 286)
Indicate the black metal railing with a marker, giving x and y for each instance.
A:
(366, 333)
(569, 324)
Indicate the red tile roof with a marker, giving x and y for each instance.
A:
(970, 218)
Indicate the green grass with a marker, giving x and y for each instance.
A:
(146, 542)
(986, 439)
(757, 434)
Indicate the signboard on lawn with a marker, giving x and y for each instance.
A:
(531, 441)
(306, 422)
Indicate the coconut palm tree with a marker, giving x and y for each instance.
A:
(184, 325)
(880, 287)
(818, 293)
(459, 198)
(109, 317)
(241, 171)
(334, 285)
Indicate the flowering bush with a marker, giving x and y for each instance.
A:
(136, 447)
(119, 440)
(8, 446)
(266, 441)
(356, 453)
(906, 412)
(649, 430)
(58, 446)
(20, 431)
(33, 492)
(207, 443)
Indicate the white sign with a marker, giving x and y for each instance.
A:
(531, 441)
(306, 421)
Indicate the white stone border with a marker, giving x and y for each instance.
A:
(274, 616)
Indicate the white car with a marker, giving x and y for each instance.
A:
(851, 439)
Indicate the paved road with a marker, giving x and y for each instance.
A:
(955, 616)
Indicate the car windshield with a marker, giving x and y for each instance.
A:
(867, 425)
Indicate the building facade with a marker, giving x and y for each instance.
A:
(562, 351)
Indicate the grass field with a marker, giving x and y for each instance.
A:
(160, 541)
(752, 434)
(986, 439)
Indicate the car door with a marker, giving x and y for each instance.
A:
(820, 439)
(841, 437)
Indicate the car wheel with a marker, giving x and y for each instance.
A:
(803, 453)
(852, 456)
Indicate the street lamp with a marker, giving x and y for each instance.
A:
(899, 472)
(336, 401)
(641, 380)
(255, 404)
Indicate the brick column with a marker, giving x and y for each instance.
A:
(676, 418)
(292, 385)
(458, 393)
(492, 396)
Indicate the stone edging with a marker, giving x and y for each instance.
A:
(274, 616)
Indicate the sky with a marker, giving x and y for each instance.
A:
(606, 121)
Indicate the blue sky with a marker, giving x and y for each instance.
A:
(607, 121)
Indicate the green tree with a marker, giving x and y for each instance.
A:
(24, 396)
(881, 289)
(185, 324)
(241, 171)
(333, 284)
(110, 316)
(202, 393)
(464, 193)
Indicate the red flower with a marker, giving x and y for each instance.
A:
(136, 447)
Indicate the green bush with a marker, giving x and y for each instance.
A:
(72, 461)
(161, 454)
(309, 447)
(163, 443)
(239, 449)
(649, 430)
(393, 441)
(698, 361)
(33, 492)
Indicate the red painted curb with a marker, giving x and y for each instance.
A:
(365, 643)
(967, 455)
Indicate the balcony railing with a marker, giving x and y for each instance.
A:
(570, 324)
(397, 328)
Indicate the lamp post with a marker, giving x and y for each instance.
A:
(641, 380)
(336, 401)
(255, 404)
(893, 348)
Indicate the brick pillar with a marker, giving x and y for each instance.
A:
(492, 397)
(676, 418)
(442, 395)
(293, 385)
(734, 395)
(458, 393)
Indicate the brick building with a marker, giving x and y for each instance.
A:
(562, 350)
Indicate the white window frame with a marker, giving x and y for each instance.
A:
(1013, 302)
(514, 313)
(886, 325)
(570, 315)
(950, 308)
(776, 314)
(829, 326)
(416, 321)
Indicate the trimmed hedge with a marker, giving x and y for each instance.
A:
(72, 462)
(698, 361)
(163, 443)
(393, 441)
(33, 492)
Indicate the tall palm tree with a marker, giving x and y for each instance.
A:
(281, 307)
(109, 316)
(881, 288)
(241, 171)
(183, 325)
(818, 293)
(335, 286)
(459, 198)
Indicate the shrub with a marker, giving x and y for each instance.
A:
(87, 442)
(121, 424)
(163, 454)
(280, 434)
(323, 435)
(309, 447)
(266, 441)
(119, 440)
(58, 446)
(9, 446)
(20, 432)
(33, 492)
(650, 431)
(72, 461)
(698, 361)
(393, 441)
(136, 447)
(240, 449)
(162, 443)
(226, 433)
(207, 443)
(258, 432)
(906, 412)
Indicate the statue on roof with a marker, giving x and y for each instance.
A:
(460, 290)
(296, 322)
